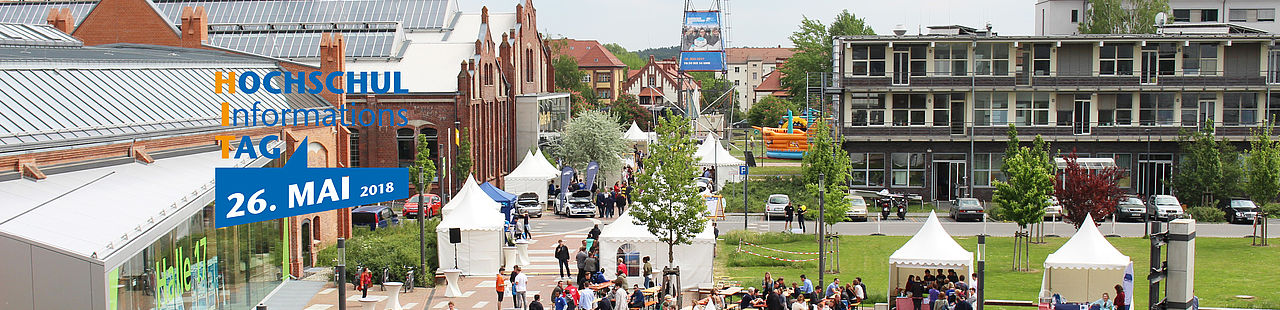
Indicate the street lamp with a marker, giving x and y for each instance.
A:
(1147, 186)
(982, 269)
(342, 273)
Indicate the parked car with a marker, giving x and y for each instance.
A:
(776, 206)
(411, 205)
(704, 185)
(1054, 211)
(374, 217)
(580, 204)
(528, 202)
(1131, 209)
(1240, 210)
(967, 208)
(1167, 207)
(857, 208)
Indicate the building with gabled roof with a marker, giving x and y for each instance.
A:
(659, 85)
(772, 86)
(747, 67)
(604, 73)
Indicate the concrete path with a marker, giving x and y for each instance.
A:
(294, 294)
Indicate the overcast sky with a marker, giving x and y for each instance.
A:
(639, 24)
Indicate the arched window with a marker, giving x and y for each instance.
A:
(433, 138)
(405, 146)
(528, 65)
(355, 146)
(630, 256)
(315, 228)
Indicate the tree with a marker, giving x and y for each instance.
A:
(421, 173)
(668, 205)
(825, 157)
(1022, 199)
(1122, 16)
(628, 110)
(568, 77)
(769, 111)
(1083, 192)
(1208, 167)
(813, 48)
(633, 61)
(462, 163)
(1262, 181)
(593, 136)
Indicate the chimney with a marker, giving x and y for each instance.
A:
(195, 27)
(333, 58)
(519, 11)
(484, 15)
(61, 19)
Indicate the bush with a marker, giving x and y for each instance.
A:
(1272, 210)
(393, 247)
(759, 189)
(1207, 214)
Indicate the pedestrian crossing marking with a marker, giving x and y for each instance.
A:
(480, 305)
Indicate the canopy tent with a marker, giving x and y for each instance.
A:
(634, 134)
(504, 199)
(930, 248)
(1085, 267)
(711, 154)
(530, 177)
(476, 216)
(546, 166)
(624, 239)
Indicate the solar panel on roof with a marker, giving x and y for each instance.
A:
(304, 45)
(413, 14)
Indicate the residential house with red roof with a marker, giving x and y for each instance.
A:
(771, 86)
(657, 83)
(604, 72)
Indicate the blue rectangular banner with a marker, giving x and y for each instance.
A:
(702, 61)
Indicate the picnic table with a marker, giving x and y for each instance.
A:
(597, 287)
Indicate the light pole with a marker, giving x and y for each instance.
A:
(422, 224)
(822, 250)
(1146, 190)
(342, 273)
(982, 269)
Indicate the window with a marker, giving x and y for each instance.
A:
(1031, 109)
(405, 146)
(1200, 59)
(1155, 109)
(986, 169)
(1266, 15)
(1075, 16)
(737, 69)
(737, 82)
(355, 146)
(991, 109)
(1239, 15)
(909, 109)
(950, 59)
(1182, 15)
(1124, 161)
(604, 93)
(755, 75)
(1166, 53)
(1115, 59)
(908, 169)
(1209, 15)
(1273, 107)
(866, 109)
(991, 59)
(528, 65)
(1252, 15)
(1192, 113)
(586, 78)
(868, 169)
(653, 81)
(868, 60)
(1273, 67)
(603, 77)
(942, 107)
(1124, 109)
(433, 138)
(1040, 59)
(1240, 109)
(630, 256)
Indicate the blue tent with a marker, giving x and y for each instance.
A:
(507, 200)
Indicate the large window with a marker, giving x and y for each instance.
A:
(868, 169)
(951, 59)
(1121, 115)
(1200, 59)
(942, 104)
(986, 169)
(1252, 15)
(1156, 109)
(1115, 59)
(868, 60)
(604, 93)
(1240, 109)
(866, 109)
(1166, 55)
(630, 256)
(991, 109)
(1041, 59)
(908, 169)
(1195, 15)
(603, 77)
(1124, 161)
(1198, 108)
(354, 146)
(991, 59)
(405, 146)
(1273, 107)
(1032, 109)
(909, 109)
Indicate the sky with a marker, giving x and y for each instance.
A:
(640, 24)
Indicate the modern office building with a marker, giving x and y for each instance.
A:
(928, 114)
(747, 68)
(1063, 17)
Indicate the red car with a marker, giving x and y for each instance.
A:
(411, 205)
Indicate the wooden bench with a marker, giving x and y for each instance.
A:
(1011, 303)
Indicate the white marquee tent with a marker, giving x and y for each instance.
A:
(634, 134)
(529, 176)
(930, 248)
(477, 217)
(711, 154)
(546, 165)
(1085, 267)
(695, 260)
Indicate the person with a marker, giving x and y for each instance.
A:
(1103, 303)
(807, 288)
(637, 297)
(562, 256)
(960, 304)
(589, 268)
(648, 272)
(586, 298)
(620, 199)
(621, 279)
(500, 285)
(620, 297)
(951, 276)
(592, 236)
(789, 213)
(551, 188)
(452, 306)
(715, 231)
(766, 285)
(524, 215)
(622, 267)
(833, 288)
(366, 280)
(859, 290)
(561, 300)
(798, 304)
(571, 292)
(602, 198)
(519, 284)
(1120, 298)
(581, 259)
(962, 285)
(605, 303)
(795, 291)
(748, 299)
(537, 302)
(800, 216)
(774, 301)
(934, 294)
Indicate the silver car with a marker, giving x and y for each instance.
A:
(776, 206)
(1167, 207)
(857, 208)
(528, 203)
(967, 208)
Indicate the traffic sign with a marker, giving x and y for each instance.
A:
(742, 170)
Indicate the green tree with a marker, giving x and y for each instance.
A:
(813, 48)
(568, 77)
(668, 205)
(826, 157)
(769, 111)
(1029, 171)
(1262, 179)
(633, 61)
(1122, 16)
(593, 136)
(421, 173)
(628, 110)
(462, 163)
(1208, 166)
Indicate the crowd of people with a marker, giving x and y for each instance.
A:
(939, 291)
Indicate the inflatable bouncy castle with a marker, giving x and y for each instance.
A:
(789, 142)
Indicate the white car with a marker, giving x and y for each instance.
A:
(776, 206)
(857, 208)
(1054, 210)
(1167, 207)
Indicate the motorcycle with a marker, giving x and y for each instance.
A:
(890, 200)
(885, 203)
(902, 208)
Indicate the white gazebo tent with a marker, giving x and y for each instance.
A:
(711, 154)
(1085, 267)
(635, 135)
(477, 217)
(695, 260)
(528, 177)
(931, 248)
(545, 164)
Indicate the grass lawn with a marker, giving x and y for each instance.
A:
(1224, 267)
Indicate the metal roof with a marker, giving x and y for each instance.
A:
(34, 35)
(414, 14)
(364, 44)
(1062, 38)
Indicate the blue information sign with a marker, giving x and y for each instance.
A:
(247, 195)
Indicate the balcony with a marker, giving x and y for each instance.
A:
(1095, 132)
(1083, 80)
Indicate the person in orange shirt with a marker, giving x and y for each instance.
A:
(500, 285)
(366, 280)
